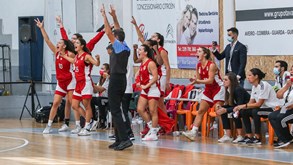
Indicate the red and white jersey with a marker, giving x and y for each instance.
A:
(64, 68)
(204, 74)
(82, 69)
(145, 76)
(163, 67)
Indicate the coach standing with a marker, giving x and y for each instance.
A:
(235, 54)
(117, 84)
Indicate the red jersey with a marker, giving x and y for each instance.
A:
(204, 74)
(144, 74)
(63, 68)
(82, 69)
(163, 67)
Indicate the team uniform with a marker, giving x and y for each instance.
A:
(84, 84)
(145, 77)
(162, 73)
(281, 81)
(214, 92)
(64, 75)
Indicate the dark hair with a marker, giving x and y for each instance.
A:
(207, 52)
(119, 33)
(229, 96)
(102, 80)
(83, 43)
(283, 64)
(78, 36)
(69, 46)
(152, 42)
(161, 37)
(258, 72)
(233, 30)
(149, 52)
(110, 46)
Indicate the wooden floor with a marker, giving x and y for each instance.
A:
(52, 149)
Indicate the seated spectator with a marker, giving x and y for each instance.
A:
(281, 118)
(234, 95)
(101, 98)
(262, 102)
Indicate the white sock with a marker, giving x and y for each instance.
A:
(50, 123)
(77, 123)
(87, 125)
(150, 124)
(194, 129)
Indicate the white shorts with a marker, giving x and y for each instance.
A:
(83, 90)
(152, 93)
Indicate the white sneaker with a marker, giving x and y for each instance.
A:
(190, 134)
(84, 132)
(76, 130)
(291, 130)
(63, 128)
(47, 130)
(151, 135)
(238, 139)
(225, 138)
(94, 126)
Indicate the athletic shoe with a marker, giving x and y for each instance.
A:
(243, 141)
(281, 144)
(112, 137)
(84, 132)
(291, 130)
(145, 130)
(253, 140)
(76, 130)
(131, 137)
(123, 145)
(63, 128)
(225, 138)
(152, 135)
(94, 126)
(238, 139)
(190, 134)
(47, 130)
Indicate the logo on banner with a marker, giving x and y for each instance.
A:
(142, 28)
(170, 31)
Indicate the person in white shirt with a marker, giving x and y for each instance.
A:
(280, 119)
(262, 102)
(100, 98)
(281, 73)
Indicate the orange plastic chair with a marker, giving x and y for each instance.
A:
(186, 112)
(212, 114)
(270, 130)
(194, 112)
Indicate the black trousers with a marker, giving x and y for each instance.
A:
(117, 86)
(226, 121)
(101, 103)
(279, 122)
(125, 106)
(256, 114)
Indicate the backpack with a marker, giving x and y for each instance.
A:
(42, 114)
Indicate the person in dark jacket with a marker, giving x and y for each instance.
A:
(235, 95)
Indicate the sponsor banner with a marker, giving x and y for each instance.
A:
(265, 27)
(197, 26)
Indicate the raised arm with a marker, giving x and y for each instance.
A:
(62, 30)
(138, 32)
(108, 30)
(91, 44)
(114, 16)
(135, 58)
(90, 59)
(45, 35)
(218, 55)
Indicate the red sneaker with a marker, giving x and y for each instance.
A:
(145, 130)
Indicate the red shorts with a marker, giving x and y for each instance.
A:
(64, 86)
(212, 96)
(151, 93)
(83, 90)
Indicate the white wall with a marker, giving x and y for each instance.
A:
(10, 10)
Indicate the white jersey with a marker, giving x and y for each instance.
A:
(281, 81)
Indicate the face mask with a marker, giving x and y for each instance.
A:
(230, 39)
(276, 71)
(102, 72)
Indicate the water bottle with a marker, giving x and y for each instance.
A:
(134, 126)
(140, 124)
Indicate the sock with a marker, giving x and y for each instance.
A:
(87, 126)
(149, 124)
(77, 123)
(50, 123)
(66, 121)
(194, 129)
